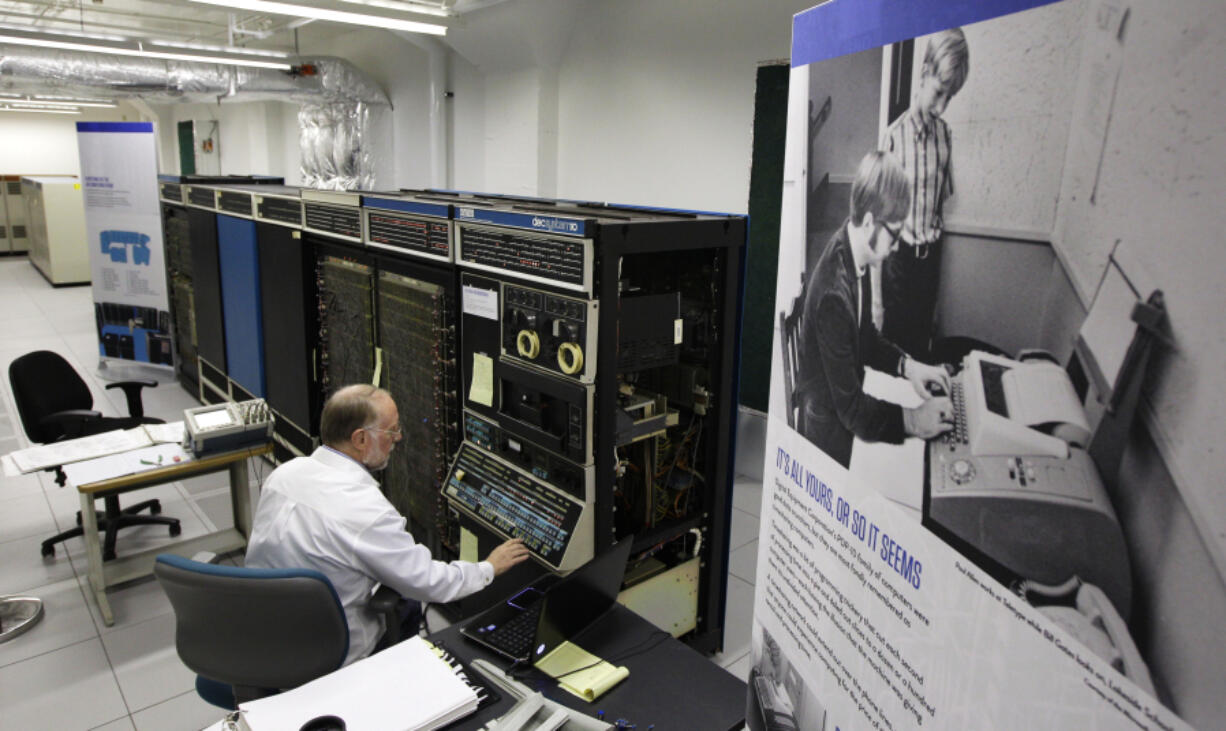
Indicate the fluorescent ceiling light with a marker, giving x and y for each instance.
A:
(220, 49)
(409, 7)
(128, 48)
(18, 104)
(336, 16)
(4, 108)
(46, 102)
(83, 100)
(22, 29)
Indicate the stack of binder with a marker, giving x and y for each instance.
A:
(407, 686)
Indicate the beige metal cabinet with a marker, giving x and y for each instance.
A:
(55, 211)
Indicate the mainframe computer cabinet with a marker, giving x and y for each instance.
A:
(55, 221)
(14, 215)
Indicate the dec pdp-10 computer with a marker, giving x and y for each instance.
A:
(598, 353)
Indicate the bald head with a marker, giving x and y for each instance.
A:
(349, 409)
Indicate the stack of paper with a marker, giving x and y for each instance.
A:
(126, 463)
(97, 445)
(76, 450)
(406, 686)
(581, 673)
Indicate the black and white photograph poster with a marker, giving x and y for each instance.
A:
(992, 483)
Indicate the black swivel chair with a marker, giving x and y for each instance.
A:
(54, 404)
(249, 633)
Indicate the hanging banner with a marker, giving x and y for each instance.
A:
(961, 527)
(124, 231)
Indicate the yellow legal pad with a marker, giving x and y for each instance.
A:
(588, 684)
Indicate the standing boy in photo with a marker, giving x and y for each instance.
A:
(922, 144)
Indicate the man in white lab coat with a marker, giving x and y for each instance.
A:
(326, 512)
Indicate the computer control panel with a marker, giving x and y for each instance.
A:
(555, 527)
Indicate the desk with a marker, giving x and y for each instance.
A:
(127, 568)
(894, 470)
(670, 685)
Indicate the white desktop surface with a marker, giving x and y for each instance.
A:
(894, 470)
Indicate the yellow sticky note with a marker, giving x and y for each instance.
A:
(468, 545)
(482, 389)
(581, 673)
(76, 186)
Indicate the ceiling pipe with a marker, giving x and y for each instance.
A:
(37, 70)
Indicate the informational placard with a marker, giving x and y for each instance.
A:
(949, 538)
(124, 231)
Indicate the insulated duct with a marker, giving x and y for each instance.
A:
(331, 139)
(335, 97)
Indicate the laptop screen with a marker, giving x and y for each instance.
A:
(579, 599)
(561, 607)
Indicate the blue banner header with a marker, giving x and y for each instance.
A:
(840, 27)
(532, 221)
(440, 210)
(115, 126)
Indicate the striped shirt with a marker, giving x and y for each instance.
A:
(924, 154)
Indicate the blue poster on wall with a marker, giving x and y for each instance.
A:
(123, 225)
(970, 517)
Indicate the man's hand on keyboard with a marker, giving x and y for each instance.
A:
(507, 555)
(927, 380)
(930, 419)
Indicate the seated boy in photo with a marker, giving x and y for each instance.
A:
(836, 337)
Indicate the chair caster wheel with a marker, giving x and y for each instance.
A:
(175, 529)
(48, 551)
(155, 508)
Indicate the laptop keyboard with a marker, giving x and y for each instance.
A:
(515, 636)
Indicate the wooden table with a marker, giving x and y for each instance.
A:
(137, 565)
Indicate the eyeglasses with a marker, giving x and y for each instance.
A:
(397, 430)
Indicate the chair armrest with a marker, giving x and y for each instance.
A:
(70, 423)
(386, 601)
(131, 391)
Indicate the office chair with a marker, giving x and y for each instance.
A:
(249, 633)
(789, 324)
(54, 403)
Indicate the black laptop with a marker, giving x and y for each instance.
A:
(551, 609)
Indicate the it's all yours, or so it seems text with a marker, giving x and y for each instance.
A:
(801, 593)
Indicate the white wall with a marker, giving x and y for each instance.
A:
(466, 158)
(254, 138)
(511, 140)
(46, 144)
(656, 100)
